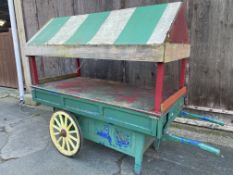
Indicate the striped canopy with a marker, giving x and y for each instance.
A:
(147, 25)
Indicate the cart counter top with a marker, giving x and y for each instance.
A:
(155, 33)
(109, 92)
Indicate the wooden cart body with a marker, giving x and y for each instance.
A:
(123, 128)
(122, 117)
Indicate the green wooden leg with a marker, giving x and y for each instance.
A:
(139, 150)
(156, 144)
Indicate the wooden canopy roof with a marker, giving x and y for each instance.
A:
(152, 33)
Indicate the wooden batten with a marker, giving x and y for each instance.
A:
(130, 53)
(175, 52)
(163, 53)
(22, 41)
(172, 99)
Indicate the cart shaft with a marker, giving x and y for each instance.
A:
(196, 143)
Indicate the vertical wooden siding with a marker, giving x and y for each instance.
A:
(211, 63)
(210, 68)
(8, 76)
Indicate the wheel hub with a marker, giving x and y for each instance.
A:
(63, 133)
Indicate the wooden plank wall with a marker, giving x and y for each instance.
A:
(8, 75)
(210, 67)
(211, 64)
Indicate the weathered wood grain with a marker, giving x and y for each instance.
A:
(166, 52)
(22, 41)
(143, 74)
(112, 70)
(107, 92)
(8, 74)
(31, 25)
(36, 14)
(174, 52)
(210, 66)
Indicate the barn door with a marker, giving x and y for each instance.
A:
(8, 74)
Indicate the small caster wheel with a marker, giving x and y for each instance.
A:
(65, 133)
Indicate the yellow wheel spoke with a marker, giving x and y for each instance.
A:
(56, 133)
(58, 141)
(55, 127)
(73, 132)
(61, 119)
(73, 138)
(68, 127)
(67, 145)
(57, 122)
(63, 143)
(65, 123)
(71, 143)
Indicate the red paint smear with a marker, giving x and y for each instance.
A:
(64, 85)
(76, 90)
(127, 99)
(75, 83)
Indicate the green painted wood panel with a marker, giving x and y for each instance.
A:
(136, 32)
(88, 29)
(125, 118)
(52, 28)
(146, 25)
(90, 108)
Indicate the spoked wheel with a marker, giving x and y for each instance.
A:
(65, 133)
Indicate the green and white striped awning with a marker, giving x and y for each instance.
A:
(119, 33)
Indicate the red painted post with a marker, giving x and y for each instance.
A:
(34, 73)
(78, 67)
(183, 72)
(159, 87)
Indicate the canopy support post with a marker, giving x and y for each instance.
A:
(34, 73)
(183, 63)
(159, 87)
(78, 67)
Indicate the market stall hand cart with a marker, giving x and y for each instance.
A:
(123, 117)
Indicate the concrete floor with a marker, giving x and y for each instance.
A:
(26, 149)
